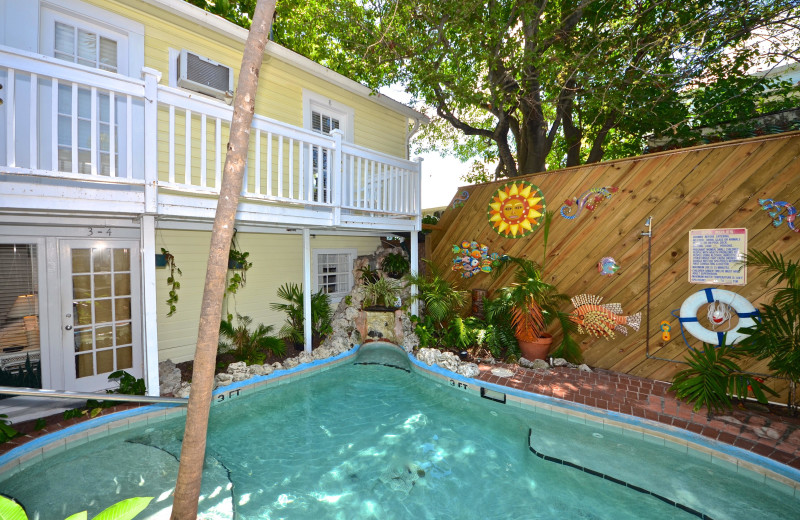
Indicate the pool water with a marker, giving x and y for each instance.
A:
(374, 442)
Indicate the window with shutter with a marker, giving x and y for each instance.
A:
(19, 316)
(84, 47)
(322, 123)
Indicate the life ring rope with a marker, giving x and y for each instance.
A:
(745, 310)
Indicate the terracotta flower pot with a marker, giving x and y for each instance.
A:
(536, 349)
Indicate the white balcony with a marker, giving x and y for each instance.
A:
(80, 139)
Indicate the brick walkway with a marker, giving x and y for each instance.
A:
(763, 433)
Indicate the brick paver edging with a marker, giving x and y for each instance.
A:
(775, 438)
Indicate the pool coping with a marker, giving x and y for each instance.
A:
(757, 467)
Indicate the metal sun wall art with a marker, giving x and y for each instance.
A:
(777, 208)
(588, 199)
(472, 258)
(516, 209)
(601, 319)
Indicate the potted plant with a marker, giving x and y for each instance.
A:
(369, 275)
(395, 265)
(381, 295)
(532, 304)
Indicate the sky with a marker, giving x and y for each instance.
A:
(441, 176)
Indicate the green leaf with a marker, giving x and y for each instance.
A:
(124, 510)
(11, 510)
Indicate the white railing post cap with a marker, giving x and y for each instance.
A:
(149, 71)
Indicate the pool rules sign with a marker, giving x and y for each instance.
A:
(716, 255)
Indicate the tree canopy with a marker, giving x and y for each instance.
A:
(537, 84)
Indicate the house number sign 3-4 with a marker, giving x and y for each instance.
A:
(97, 232)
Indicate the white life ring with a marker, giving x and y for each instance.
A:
(744, 309)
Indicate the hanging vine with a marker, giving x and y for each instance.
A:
(172, 281)
(237, 267)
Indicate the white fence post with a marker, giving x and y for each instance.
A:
(151, 78)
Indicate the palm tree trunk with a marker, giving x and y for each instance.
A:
(187, 489)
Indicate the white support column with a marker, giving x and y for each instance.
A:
(417, 194)
(307, 289)
(150, 337)
(414, 270)
(151, 78)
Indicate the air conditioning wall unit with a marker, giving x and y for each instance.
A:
(205, 76)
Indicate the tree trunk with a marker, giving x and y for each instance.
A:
(187, 489)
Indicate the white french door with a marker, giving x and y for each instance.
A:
(100, 311)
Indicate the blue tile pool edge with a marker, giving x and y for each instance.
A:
(743, 459)
(15, 460)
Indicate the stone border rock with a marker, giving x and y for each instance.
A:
(170, 375)
(448, 361)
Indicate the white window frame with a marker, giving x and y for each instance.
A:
(128, 34)
(313, 102)
(352, 253)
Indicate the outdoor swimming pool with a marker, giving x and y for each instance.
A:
(371, 441)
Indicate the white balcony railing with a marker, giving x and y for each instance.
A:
(68, 121)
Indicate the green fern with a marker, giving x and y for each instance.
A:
(713, 377)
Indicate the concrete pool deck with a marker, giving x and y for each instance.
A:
(763, 433)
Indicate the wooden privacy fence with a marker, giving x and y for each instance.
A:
(706, 187)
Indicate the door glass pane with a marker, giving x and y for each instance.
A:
(122, 284)
(101, 259)
(83, 340)
(84, 365)
(82, 286)
(122, 260)
(83, 313)
(102, 311)
(102, 286)
(122, 309)
(80, 261)
(105, 336)
(105, 361)
(124, 358)
(124, 334)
